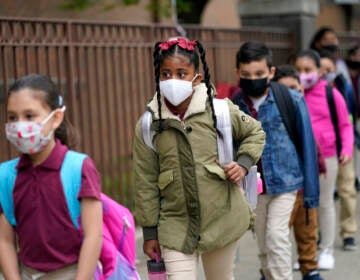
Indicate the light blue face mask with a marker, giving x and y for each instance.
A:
(329, 77)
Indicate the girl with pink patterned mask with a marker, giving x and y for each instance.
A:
(49, 245)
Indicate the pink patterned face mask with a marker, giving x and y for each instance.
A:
(309, 80)
(28, 136)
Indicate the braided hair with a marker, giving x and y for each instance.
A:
(207, 80)
(157, 62)
(160, 55)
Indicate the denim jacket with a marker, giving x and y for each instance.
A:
(284, 170)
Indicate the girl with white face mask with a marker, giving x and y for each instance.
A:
(183, 195)
(37, 128)
(307, 64)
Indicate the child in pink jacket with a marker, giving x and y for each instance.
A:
(308, 65)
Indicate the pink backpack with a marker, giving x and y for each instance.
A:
(118, 250)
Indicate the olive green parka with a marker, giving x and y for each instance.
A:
(183, 198)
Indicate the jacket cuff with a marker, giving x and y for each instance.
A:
(245, 161)
(150, 233)
(311, 202)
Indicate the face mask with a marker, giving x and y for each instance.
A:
(355, 65)
(309, 80)
(331, 48)
(254, 87)
(330, 77)
(176, 91)
(27, 136)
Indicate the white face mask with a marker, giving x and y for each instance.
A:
(28, 136)
(176, 91)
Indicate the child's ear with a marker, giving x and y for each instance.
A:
(57, 118)
(272, 72)
(198, 79)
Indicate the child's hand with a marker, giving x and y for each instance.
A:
(344, 159)
(235, 172)
(150, 247)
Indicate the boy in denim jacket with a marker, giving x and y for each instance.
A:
(284, 168)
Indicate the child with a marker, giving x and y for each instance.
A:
(285, 166)
(326, 38)
(307, 64)
(185, 202)
(50, 246)
(304, 221)
(346, 175)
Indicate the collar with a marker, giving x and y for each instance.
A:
(246, 99)
(53, 162)
(197, 104)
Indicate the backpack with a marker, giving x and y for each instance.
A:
(334, 117)
(117, 255)
(224, 144)
(287, 111)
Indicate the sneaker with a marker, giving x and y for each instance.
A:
(349, 244)
(312, 275)
(326, 260)
(296, 266)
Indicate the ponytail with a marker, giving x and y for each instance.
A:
(67, 134)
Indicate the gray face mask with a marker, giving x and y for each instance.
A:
(329, 77)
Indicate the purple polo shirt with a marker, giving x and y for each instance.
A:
(47, 237)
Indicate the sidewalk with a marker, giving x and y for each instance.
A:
(247, 265)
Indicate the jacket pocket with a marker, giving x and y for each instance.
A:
(165, 178)
(216, 171)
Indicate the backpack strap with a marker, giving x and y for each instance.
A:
(225, 139)
(287, 110)
(334, 117)
(147, 133)
(70, 175)
(8, 173)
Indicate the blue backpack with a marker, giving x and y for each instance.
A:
(118, 249)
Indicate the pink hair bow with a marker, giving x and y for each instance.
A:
(181, 42)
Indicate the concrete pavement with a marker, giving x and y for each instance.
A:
(347, 264)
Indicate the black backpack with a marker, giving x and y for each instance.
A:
(287, 110)
(288, 114)
(334, 117)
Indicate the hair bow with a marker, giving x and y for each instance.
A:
(181, 42)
